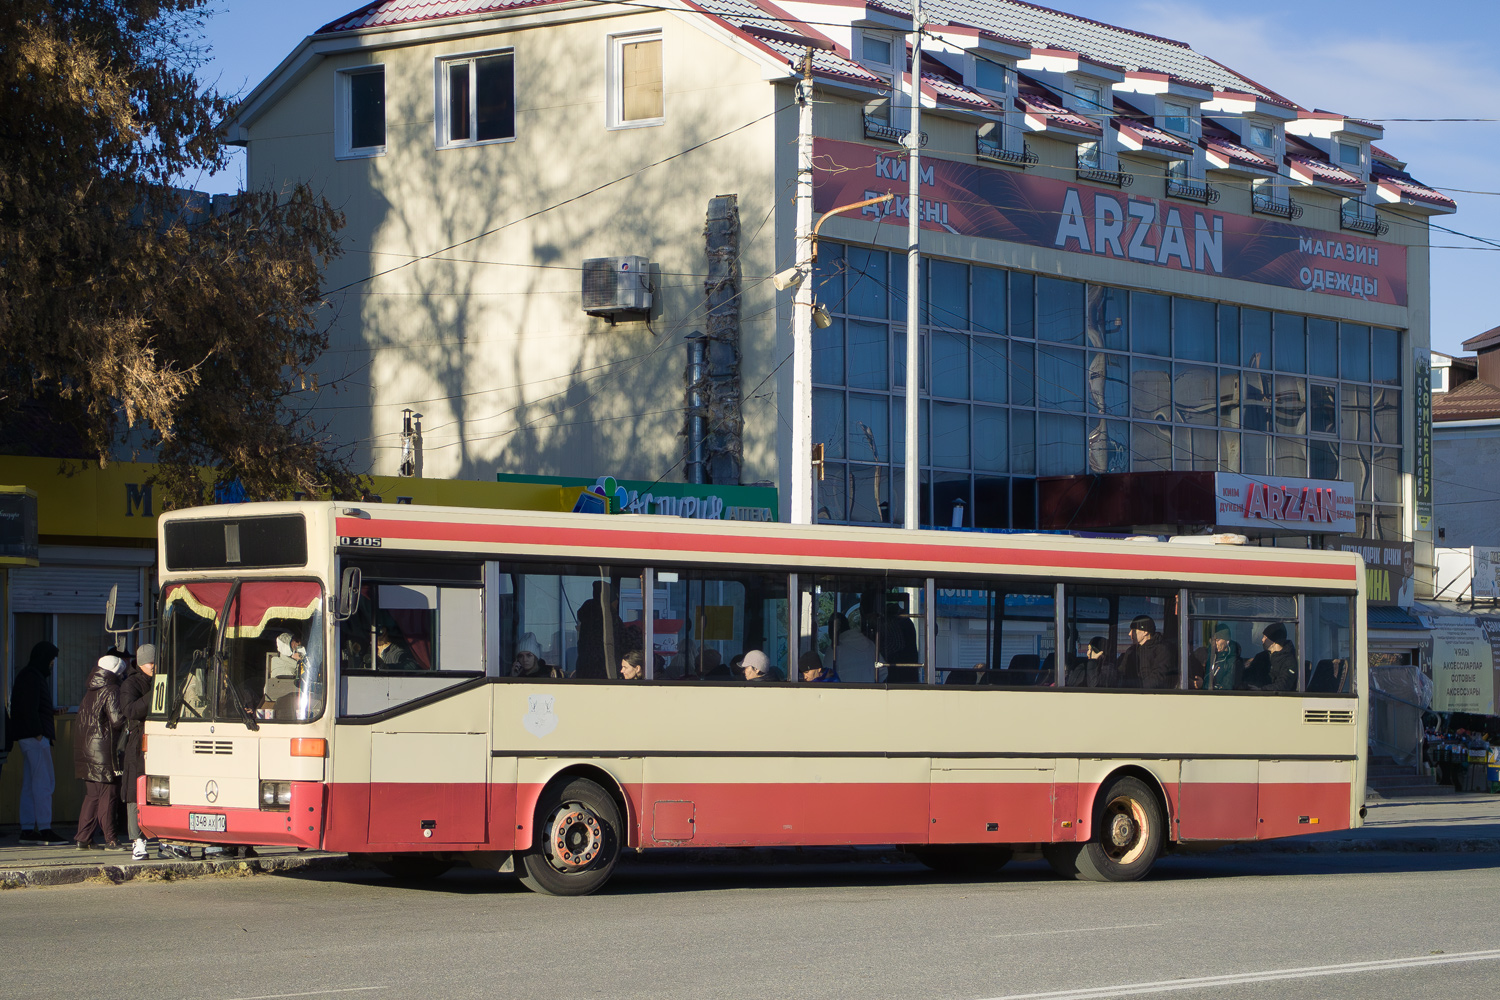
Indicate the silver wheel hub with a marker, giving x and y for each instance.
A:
(1121, 830)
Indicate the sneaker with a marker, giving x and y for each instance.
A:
(48, 837)
(30, 838)
(140, 853)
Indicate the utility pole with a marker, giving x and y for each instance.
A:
(913, 277)
(802, 307)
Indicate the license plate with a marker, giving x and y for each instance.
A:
(207, 822)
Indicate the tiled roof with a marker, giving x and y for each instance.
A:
(1233, 152)
(382, 13)
(1149, 135)
(1035, 102)
(1405, 185)
(1133, 50)
(950, 92)
(1488, 338)
(1321, 171)
(1474, 400)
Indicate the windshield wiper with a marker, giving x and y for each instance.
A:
(239, 702)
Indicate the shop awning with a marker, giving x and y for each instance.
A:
(1392, 618)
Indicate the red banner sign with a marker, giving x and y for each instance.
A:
(971, 200)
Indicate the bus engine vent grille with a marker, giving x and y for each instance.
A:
(216, 747)
(1336, 716)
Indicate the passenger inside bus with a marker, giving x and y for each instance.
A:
(529, 661)
(1096, 669)
(853, 652)
(1274, 668)
(391, 653)
(1150, 662)
(757, 667)
(632, 666)
(1218, 665)
(810, 666)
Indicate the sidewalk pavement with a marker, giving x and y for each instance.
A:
(1457, 824)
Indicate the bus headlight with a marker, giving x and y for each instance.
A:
(158, 790)
(275, 794)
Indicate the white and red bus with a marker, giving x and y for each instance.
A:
(538, 692)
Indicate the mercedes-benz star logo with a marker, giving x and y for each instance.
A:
(211, 791)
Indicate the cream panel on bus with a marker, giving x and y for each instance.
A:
(278, 764)
(442, 758)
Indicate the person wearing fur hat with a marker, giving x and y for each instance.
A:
(135, 703)
(100, 720)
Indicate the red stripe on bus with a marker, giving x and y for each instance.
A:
(766, 814)
(663, 541)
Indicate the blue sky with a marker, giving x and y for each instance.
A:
(1379, 60)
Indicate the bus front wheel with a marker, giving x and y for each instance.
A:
(578, 838)
(1126, 839)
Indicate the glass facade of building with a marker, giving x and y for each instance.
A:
(1026, 375)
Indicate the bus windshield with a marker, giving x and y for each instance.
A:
(269, 638)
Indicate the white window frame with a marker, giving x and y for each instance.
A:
(1089, 107)
(1439, 378)
(343, 114)
(888, 64)
(440, 81)
(1005, 78)
(614, 86)
(1172, 109)
(1270, 131)
(1359, 153)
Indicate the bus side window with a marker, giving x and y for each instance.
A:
(864, 628)
(1242, 642)
(567, 621)
(1122, 637)
(415, 627)
(1329, 660)
(707, 622)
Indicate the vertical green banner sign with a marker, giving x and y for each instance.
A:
(1422, 467)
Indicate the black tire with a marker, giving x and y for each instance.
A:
(412, 867)
(964, 859)
(1127, 836)
(577, 840)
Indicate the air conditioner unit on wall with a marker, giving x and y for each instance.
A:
(614, 286)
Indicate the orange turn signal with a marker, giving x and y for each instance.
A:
(308, 747)
(143, 743)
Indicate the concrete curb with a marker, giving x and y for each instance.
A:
(167, 871)
(1392, 845)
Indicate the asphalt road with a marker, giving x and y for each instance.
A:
(1221, 926)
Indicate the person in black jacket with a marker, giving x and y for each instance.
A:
(1149, 662)
(33, 730)
(97, 729)
(1095, 670)
(135, 705)
(1275, 667)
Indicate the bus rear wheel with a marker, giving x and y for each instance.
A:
(578, 838)
(412, 867)
(963, 859)
(1126, 840)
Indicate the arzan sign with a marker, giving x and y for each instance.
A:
(1302, 506)
(971, 200)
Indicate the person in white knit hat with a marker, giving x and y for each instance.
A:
(99, 723)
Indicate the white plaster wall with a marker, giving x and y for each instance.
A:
(1466, 485)
(487, 341)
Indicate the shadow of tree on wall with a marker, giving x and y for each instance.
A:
(487, 339)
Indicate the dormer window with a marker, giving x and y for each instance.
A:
(1177, 118)
(989, 77)
(1089, 100)
(875, 50)
(1349, 154)
(1262, 136)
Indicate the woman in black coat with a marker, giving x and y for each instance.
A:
(135, 704)
(100, 720)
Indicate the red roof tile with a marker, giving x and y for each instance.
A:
(1486, 339)
(1406, 186)
(1150, 135)
(382, 13)
(1321, 171)
(1474, 400)
(1233, 152)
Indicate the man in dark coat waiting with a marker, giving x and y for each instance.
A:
(33, 730)
(135, 703)
(97, 731)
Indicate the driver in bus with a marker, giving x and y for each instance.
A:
(390, 654)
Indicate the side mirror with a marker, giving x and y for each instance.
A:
(109, 608)
(349, 593)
